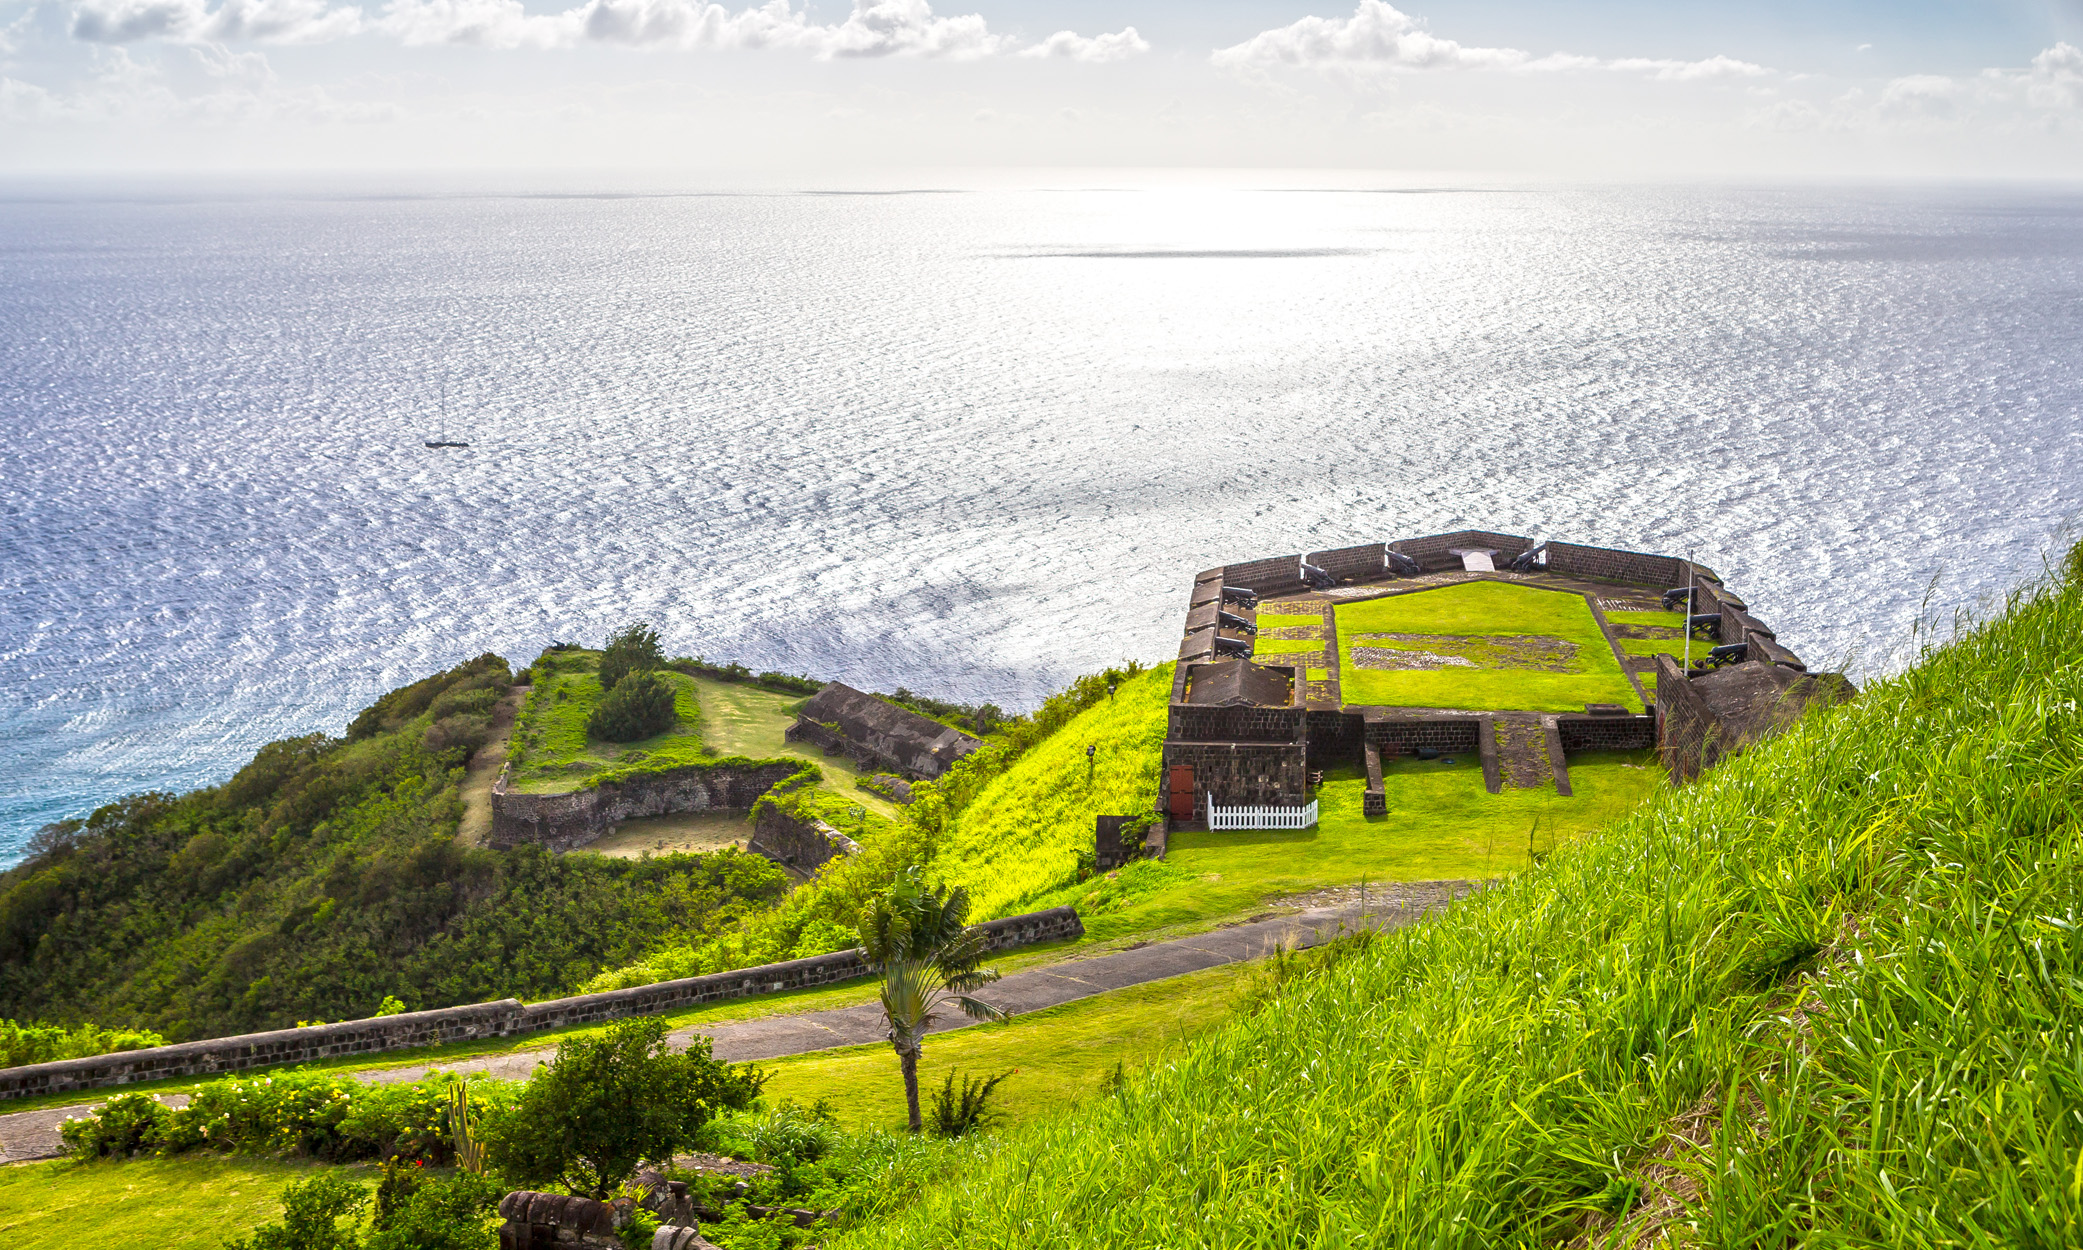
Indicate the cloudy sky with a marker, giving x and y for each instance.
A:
(1598, 88)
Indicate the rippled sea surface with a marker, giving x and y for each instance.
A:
(972, 444)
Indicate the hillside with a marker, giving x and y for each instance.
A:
(1832, 994)
(326, 876)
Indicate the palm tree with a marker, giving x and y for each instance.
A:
(929, 956)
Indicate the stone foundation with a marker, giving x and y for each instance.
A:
(562, 822)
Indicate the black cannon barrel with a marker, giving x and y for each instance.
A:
(1678, 594)
(1730, 653)
(1317, 578)
(1403, 565)
(1704, 623)
(1241, 596)
(1230, 620)
(1232, 646)
(1528, 559)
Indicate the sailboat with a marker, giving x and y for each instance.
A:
(444, 442)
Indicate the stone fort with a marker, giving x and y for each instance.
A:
(1267, 692)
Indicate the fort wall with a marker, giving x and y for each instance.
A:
(561, 822)
(477, 1021)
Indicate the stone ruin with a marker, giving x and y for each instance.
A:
(877, 734)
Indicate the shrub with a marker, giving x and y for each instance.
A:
(127, 1124)
(43, 1043)
(450, 732)
(793, 1133)
(437, 1213)
(640, 705)
(957, 1114)
(606, 1104)
(631, 649)
(311, 1212)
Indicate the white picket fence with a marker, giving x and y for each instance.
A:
(1261, 817)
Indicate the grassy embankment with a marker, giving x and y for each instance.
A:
(1479, 611)
(1826, 996)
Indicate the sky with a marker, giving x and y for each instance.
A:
(683, 89)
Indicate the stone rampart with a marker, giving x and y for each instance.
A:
(1235, 724)
(804, 846)
(1275, 575)
(1360, 564)
(1606, 564)
(1441, 733)
(1436, 551)
(1688, 733)
(1607, 733)
(477, 1021)
(564, 821)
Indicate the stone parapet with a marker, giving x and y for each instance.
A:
(562, 822)
(477, 1021)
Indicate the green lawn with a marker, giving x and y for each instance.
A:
(1490, 610)
(746, 720)
(1660, 620)
(1284, 620)
(550, 750)
(1441, 824)
(197, 1201)
(1287, 646)
(1058, 1056)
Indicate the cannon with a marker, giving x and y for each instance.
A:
(1704, 625)
(1733, 653)
(1232, 646)
(1241, 596)
(1530, 559)
(1402, 565)
(1676, 595)
(1230, 620)
(1317, 578)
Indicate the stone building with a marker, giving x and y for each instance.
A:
(877, 734)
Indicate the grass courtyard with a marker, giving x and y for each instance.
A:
(1505, 646)
(551, 752)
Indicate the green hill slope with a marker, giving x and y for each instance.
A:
(1831, 995)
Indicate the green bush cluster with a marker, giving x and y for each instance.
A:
(631, 649)
(639, 705)
(318, 1115)
(44, 1043)
(414, 1211)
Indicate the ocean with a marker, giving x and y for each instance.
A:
(972, 443)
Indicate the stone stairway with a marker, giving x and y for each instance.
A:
(1523, 750)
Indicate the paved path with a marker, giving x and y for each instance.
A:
(34, 1134)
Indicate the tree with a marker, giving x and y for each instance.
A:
(640, 705)
(929, 958)
(606, 1104)
(631, 649)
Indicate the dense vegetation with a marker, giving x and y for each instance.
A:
(824, 914)
(1829, 995)
(42, 1043)
(324, 877)
(573, 731)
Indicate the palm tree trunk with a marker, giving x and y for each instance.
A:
(908, 1058)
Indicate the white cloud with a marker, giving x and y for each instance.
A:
(874, 28)
(1099, 49)
(1379, 35)
(1376, 34)
(2056, 77)
(191, 21)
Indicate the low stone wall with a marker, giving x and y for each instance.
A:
(1607, 564)
(805, 847)
(477, 1021)
(1435, 551)
(1457, 734)
(561, 822)
(1688, 733)
(1608, 733)
(1275, 575)
(1358, 564)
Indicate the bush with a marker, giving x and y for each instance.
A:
(434, 1213)
(311, 1211)
(450, 732)
(958, 1114)
(320, 1115)
(127, 1124)
(606, 1104)
(630, 649)
(42, 1043)
(640, 705)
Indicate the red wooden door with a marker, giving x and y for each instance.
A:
(1181, 788)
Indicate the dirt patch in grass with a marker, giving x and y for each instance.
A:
(1538, 653)
(1646, 631)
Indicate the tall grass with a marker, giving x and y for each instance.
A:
(1021, 835)
(1848, 959)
